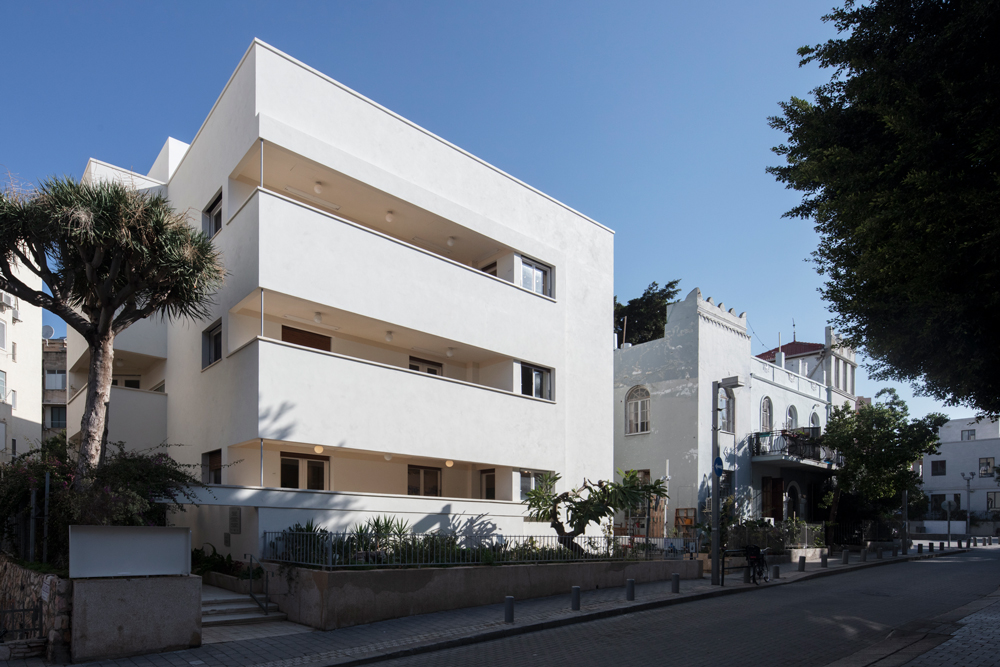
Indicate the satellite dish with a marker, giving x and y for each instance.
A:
(48, 331)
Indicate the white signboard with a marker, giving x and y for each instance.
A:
(128, 551)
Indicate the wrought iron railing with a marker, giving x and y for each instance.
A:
(20, 624)
(353, 549)
(801, 443)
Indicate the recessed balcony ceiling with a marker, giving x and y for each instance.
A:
(299, 178)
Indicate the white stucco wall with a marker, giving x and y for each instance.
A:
(22, 423)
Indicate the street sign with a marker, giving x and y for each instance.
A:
(949, 506)
(718, 466)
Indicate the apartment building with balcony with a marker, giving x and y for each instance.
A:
(53, 385)
(964, 471)
(663, 418)
(20, 359)
(404, 329)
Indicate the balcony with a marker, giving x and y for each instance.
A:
(796, 448)
(136, 417)
(331, 400)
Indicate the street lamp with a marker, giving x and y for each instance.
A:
(725, 383)
(968, 499)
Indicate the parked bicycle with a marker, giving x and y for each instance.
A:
(757, 563)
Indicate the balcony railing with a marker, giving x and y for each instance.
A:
(800, 443)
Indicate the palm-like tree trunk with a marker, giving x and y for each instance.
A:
(92, 426)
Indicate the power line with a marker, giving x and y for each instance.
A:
(755, 334)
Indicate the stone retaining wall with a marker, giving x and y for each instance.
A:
(21, 588)
(342, 598)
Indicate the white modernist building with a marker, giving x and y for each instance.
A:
(968, 450)
(20, 367)
(664, 403)
(404, 329)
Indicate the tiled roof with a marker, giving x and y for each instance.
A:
(794, 349)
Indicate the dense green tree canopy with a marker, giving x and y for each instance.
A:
(880, 443)
(647, 314)
(898, 160)
(109, 255)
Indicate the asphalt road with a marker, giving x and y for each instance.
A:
(811, 623)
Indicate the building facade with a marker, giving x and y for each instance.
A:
(663, 416)
(53, 387)
(20, 359)
(968, 448)
(404, 328)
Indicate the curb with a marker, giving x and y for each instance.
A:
(585, 617)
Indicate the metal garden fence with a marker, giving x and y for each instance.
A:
(356, 549)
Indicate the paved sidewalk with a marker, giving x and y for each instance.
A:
(427, 632)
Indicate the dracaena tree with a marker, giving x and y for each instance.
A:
(109, 255)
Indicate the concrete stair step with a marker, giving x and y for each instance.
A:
(242, 607)
(242, 619)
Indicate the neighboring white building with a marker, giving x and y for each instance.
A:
(663, 414)
(966, 447)
(404, 329)
(20, 362)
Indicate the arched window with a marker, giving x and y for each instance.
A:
(726, 412)
(765, 415)
(792, 418)
(637, 411)
(814, 420)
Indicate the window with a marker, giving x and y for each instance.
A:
(131, 384)
(836, 373)
(491, 269)
(535, 381)
(766, 410)
(211, 345)
(814, 420)
(791, 418)
(13, 399)
(637, 411)
(13, 351)
(423, 481)
(305, 338)
(938, 468)
(211, 467)
(535, 276)
(969, 434)
(986, 467)
(3, 335)
(309, 468)
(937, 499)
(992, 498)
(424, 366)
(488, 484)
(3, 387)
(161, 388)
(212, 217)
(57, 416)
(55, 380)
(726, 411)
(529, 481)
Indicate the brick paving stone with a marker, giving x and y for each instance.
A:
(976, 642)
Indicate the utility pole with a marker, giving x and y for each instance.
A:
(968, 499)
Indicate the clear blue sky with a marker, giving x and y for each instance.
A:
(647, 116)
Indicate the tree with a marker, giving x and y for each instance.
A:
(898, 160)
(109, 256)
(569, 513)
(879, 444)
(647, 314)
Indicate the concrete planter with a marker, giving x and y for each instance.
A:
(231, 583)
(329, 600)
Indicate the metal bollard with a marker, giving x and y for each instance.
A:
(823, 561)
(845, 556)
(630, 589)
(864, 554)
(990, 538)
(941, 546)
(746, 575)
(802, 563)
(775, 572)
(930, 547)
(575, 599)
(508, 609)
(675, 583)
(920, 549)
(975, 541)
(959, 543)
(878, 553)
(895, 551)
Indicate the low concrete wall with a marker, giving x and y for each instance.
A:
(21, 588)
(231, 583)
(329, 600)
(116, 618)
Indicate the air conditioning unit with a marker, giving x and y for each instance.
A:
(15, 315)
(8, 300)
